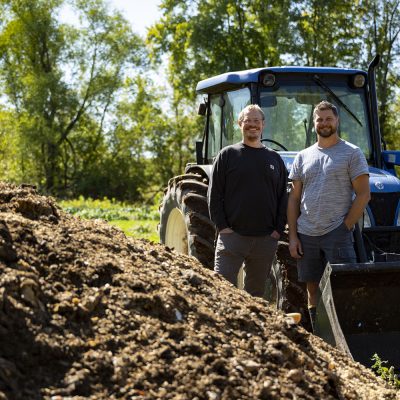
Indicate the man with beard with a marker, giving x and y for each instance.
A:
(247, 201)
(322, 209)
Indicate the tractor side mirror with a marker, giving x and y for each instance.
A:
(199, 152)
(202, 109)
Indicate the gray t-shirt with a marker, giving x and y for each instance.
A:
(326, 175)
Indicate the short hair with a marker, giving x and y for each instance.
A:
(325, 105)
(251, 107)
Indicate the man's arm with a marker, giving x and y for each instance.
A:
(362, 191)
(293, 212)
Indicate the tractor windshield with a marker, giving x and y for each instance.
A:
(288, 113)
(288, 108)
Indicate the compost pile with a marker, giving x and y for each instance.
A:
(86, 313)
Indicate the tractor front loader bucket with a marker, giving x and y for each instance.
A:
(359, 310)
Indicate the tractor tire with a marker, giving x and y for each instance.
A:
(283, 288)
(185, 224)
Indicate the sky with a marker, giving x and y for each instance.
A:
(140, 13)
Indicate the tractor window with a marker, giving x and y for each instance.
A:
(234, 103)
(350, 130)
(288, 114)
(223, 129)
(214, 128)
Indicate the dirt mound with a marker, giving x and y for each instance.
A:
(87, 313)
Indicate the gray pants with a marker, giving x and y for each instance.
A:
(256, 252)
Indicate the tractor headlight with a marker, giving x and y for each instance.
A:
(359, 81)
(268, 80)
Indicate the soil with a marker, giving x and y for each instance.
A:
(87, 313)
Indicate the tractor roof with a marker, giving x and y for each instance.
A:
(231, 80)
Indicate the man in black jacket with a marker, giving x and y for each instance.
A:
(247, 201)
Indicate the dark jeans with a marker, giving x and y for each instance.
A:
(335, 246)
(256, 252)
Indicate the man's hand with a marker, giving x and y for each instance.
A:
(362, 191)
(347, 226)
(296, 251)
(226, 230)
(275, 235)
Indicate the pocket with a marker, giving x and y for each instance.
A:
(345, 227)
(227, 243)
(225, 237)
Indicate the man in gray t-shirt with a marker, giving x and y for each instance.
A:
(321, 210)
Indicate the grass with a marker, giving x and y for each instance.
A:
(138, 229)
(139, 221)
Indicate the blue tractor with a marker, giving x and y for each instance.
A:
(359, 310)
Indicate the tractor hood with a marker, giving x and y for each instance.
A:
(382, 181)
(288, 158)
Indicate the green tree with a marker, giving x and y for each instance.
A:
(392, 128)
(147, 146)
(382, 36)
(322, 34)
(57, 78)
(10, 158)
(207, 38)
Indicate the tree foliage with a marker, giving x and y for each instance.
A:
(382, 36)
(207, 38)
(79, 114)
(322, 34)
(57, 76)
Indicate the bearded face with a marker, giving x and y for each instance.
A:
(252, 126)
(326, 123)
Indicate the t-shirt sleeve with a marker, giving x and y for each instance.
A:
(294, 173)
(358, 164)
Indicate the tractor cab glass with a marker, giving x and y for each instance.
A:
(288, 106)
(224, 113)
(289, 115)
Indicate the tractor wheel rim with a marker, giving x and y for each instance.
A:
(176, 232)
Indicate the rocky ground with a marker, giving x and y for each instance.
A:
(86, 313)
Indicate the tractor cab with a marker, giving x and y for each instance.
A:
(287, 96)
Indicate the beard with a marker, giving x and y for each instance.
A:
(252, 136)
(327, 132)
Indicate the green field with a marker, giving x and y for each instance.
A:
(139, 221)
